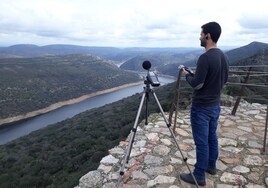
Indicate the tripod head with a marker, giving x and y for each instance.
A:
(151, 77)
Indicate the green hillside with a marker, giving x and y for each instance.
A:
(28, 84)
(245, 51)
(58, 155)
(258, 76)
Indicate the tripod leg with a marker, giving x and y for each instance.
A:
(131, 139)
(173, 135)
(146, 108)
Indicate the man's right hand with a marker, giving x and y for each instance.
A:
(184, 72)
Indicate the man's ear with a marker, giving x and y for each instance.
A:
(207, 36)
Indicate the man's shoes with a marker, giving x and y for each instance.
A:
(189, 179)
(211, 171)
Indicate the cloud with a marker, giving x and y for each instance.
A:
(254, 22)
(129, 22)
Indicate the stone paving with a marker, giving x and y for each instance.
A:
(155, 160)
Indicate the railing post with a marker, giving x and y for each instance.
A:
(241, 93)
(265, 130)
(174, 105)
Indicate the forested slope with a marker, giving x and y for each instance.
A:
(28, 84)
(57, 156)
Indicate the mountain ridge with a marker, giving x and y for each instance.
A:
(189, 59)
(246, 51)
(112, 53)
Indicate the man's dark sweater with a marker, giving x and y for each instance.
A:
(210, 76)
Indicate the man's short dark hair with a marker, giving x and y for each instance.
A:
(214, 29)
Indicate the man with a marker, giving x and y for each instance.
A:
(210, 76)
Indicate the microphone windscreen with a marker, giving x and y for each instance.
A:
(146, 65)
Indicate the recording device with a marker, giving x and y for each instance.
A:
(190, 71)
(151, 76)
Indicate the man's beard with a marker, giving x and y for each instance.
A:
(203, 43)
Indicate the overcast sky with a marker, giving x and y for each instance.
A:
(130, 23)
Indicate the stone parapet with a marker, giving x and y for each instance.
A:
(155, 161)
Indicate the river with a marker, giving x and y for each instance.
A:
(25, 127)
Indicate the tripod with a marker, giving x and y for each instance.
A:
(145, 97)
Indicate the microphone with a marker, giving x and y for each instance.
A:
(146, 65)
(151, 77)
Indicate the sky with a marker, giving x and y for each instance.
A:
(130, 23)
